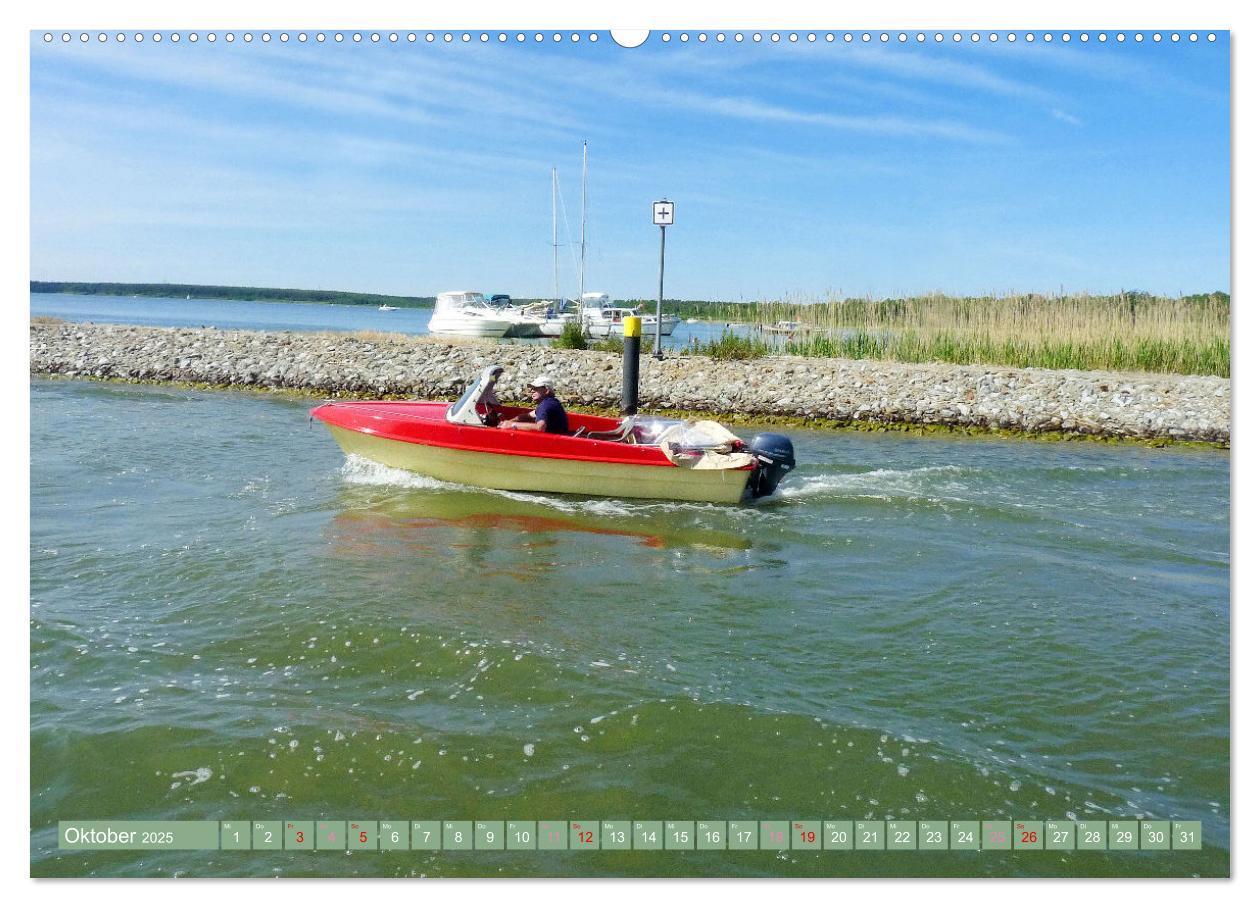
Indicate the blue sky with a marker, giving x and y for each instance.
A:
(798, 170)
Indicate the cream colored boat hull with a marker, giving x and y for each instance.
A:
(542, 474)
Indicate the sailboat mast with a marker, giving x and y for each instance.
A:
(582, 259)
(555, 246)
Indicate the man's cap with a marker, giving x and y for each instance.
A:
(542, 381)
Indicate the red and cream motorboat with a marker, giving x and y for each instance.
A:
(633, 457)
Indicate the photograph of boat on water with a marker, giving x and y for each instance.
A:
(789, 453)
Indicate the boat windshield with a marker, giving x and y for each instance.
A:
(648, 430)
(464, 410)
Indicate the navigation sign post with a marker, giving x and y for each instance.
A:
(662, 216)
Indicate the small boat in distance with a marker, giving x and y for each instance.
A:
(634, 457)
(601, 318)
(387, 308)
(465, 313)
(782, 327)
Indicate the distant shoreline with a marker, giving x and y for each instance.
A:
(243, 294)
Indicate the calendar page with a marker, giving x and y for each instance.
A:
(572, 452)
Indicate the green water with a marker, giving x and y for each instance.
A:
(229, 621)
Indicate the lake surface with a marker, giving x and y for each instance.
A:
(229, 620)
(264, 316)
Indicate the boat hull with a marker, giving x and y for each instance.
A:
(540, 474)
(469, 327)
(416, 436)
(647, 327)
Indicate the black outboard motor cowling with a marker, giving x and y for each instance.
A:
(775, 458)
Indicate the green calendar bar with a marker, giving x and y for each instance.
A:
(332, 836)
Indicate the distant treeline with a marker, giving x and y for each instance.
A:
(212, 292)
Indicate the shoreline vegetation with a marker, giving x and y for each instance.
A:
(1131, 331)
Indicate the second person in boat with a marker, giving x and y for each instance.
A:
(548, 414)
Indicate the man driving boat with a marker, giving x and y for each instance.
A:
(548, 414)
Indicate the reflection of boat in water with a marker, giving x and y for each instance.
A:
(635, 457)
(465, 313)
(409, 514)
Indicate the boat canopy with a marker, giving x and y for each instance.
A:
(454, 300)
(478, 394)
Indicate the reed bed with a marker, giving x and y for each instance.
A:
(1124, 332)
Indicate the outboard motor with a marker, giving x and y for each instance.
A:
(775, 458)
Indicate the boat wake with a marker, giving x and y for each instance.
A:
(360, 471)
(937, 482)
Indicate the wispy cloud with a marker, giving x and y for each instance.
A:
(878, 124)
(1066, 117)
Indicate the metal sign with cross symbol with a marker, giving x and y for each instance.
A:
(663, 213)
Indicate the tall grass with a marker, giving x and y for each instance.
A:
(731, 346)
(1128, 332)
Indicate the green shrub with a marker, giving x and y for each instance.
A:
(571, 338)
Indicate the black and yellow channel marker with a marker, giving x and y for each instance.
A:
(631, 835)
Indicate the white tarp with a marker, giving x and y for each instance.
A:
(703, 445)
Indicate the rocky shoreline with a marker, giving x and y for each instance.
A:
(1103, 404)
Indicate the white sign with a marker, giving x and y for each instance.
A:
(663, 213)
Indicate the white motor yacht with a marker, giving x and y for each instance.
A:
(465, 313)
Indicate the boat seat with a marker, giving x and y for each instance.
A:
(621, 433)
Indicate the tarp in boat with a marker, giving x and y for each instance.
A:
(703, 445)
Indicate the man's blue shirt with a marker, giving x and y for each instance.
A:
(551, 412)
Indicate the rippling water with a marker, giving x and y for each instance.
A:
(230, 620)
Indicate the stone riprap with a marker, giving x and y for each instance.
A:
(1132, 405)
